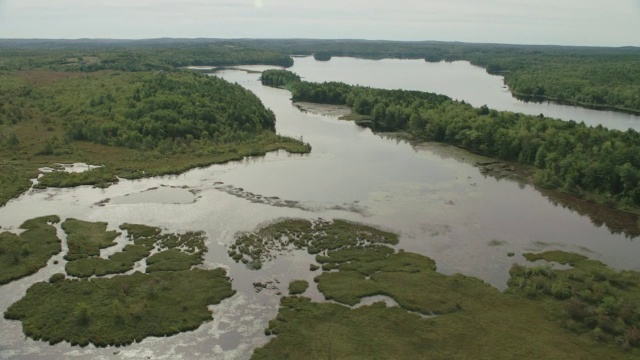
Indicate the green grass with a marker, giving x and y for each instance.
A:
(298, 287)
(172, 260)
(561, 257)
(122, 309)
(28, 252)
(85, 239)
(473, 319)
(117, 263)
(168, 299)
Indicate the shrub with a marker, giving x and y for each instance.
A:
(298, 287)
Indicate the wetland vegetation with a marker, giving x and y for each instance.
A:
(25, 253)
(588, 311)
(169, 298)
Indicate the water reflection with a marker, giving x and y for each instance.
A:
(460, 80)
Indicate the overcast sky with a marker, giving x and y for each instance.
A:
(570, 22)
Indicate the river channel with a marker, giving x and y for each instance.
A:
(432, 195)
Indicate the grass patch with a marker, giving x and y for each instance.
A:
(298, 287)
(117, 263)
(561, 257)
(175, 252)
(317, 237)
(85, 239)
(28, 252)
(122, 309)
(172, 260)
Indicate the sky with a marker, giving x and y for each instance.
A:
(562, 22)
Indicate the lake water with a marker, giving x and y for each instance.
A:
(432, 195)
(458, 80)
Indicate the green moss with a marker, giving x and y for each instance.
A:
(297, 287)
(26, 253)
(85, 239)
(122, 309)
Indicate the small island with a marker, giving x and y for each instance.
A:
(24, 254)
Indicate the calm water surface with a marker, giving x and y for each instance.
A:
(458, 80)
(432, 195)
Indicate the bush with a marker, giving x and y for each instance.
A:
(56, 278)
(298, 287)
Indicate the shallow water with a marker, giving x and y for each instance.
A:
(432, 195)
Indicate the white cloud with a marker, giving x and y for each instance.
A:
(580, 22)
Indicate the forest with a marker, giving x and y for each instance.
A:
(591, 162)
(597, 77)
(129, 55)
(587, 76)
(133, 121)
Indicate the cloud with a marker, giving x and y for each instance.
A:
(579, 22)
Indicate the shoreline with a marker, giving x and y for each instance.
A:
(496, 168)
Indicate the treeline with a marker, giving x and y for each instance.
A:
(74, 57)
(587, 76)
(591, 162)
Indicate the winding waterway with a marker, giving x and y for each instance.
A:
(432, 195)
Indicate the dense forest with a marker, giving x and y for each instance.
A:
(591, 162)
(135, 123)
(130, 55)
(586, 76)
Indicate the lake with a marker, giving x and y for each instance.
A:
(432, 195)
